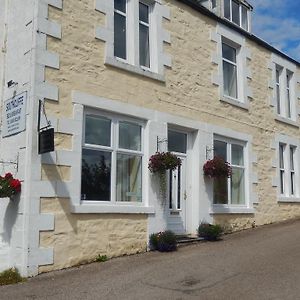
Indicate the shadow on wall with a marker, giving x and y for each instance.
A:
(54, 176)
(10, 218)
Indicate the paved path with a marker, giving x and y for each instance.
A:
(263, 263)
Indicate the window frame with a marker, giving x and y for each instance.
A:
(114, 149)
(241, 6)
(286, 172)
(287, 70)
(236, 64)
(133, 35)
(241, 97)
(284, 93)
(229, 142)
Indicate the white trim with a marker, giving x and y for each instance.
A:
(217, 209)
(40, 89)
(288, 142)
(237, 41)
(288, 199)
(111, 209)
(285, 66)
(251, 178)
(158, 36)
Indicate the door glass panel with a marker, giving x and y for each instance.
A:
(220, 149)
(237, 186)
(177, 141)
(171, 189)
(179, 187)
(237, 155)
(130, 136)
(95, 175)
(97, 131)
(129, 178)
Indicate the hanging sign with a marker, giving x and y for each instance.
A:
(46, 141)
(14, 115)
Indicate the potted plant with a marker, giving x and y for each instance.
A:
(163, 241)
(9, 186)
(161, 162)
(217, 168)
(210, 232)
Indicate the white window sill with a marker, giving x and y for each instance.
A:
(287, 121)
(288, 199)
(235, 102)
(216, 209)
(111, 209)
(112, 61)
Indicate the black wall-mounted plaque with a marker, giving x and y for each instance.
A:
(46, 141)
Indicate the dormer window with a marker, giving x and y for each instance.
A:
(237, 12)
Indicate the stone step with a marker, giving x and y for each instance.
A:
(187, 240)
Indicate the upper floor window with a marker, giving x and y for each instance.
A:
(237, 12)
(132, 30)
(134, 34)
(233, 71)
(284, 92)
(230, 70)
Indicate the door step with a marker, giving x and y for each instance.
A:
(187, 240)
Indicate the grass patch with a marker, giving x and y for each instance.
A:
(101, 258)
(10, 276)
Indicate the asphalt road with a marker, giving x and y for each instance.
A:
(262, 263)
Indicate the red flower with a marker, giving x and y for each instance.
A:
(217, 168)
(8, 176)
(16, 185)
(163, 161)
(9, 186)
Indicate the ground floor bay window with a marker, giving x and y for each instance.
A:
(112, 156)
(230, 191)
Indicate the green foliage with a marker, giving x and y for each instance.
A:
(9, 186)
(10, 276)
(210, 232)
(163, 241)
(101, 258)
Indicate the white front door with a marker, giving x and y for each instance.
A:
(177, 192)
(177, 199)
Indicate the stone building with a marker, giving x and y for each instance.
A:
(119, 80)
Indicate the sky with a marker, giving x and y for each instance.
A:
(278, 23)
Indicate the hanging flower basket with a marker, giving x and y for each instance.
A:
(9, 186)
(217, 168)
(161, 162)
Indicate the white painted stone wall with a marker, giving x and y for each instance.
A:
(15, 64)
